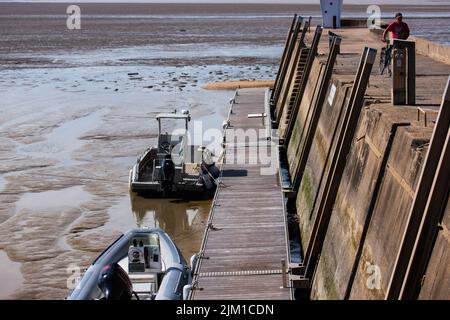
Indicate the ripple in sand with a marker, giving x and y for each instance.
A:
(63, 140)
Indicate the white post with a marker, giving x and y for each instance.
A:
(331, 13)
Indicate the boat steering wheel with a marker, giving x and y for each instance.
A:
(166, 146)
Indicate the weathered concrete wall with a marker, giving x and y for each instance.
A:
(376, 139)
(375, 131)
(378, 182)
(433, 50)
(391, 210)
(319, 160)
(436, 284)
(304, 116)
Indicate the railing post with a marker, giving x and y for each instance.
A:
(283, 57)
(283, 273)
(309, 62)
(290, 75)
(284, 66)
(316, 111)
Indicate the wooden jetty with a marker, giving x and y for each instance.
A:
(246, 238)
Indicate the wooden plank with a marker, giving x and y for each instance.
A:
(261, 287)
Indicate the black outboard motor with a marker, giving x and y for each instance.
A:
(167, 174)
(212, 169)
(115, 283)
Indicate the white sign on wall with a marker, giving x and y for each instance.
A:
(332, 94)
(331, 13)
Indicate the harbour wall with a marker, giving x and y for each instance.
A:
(379, 180)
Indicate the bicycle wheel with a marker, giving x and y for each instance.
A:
(388, 61)
(382, 60)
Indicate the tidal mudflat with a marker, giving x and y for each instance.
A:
(76, 111)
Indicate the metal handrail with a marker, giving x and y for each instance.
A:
(212, 210)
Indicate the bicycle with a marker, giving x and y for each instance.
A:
(385, 60)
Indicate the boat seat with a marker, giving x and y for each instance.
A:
(191, 168)
(143, 283)
(142, 277)
(145, 290)
(161, 155)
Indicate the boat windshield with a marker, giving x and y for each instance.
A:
(176, 126)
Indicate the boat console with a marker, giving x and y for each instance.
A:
(144, 265)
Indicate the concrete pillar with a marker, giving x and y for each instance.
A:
(331, 13)
(404, 73)
(398, 76)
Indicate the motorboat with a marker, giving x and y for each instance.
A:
(174, 165)
(142, 264)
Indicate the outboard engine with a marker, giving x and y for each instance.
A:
(115, 283)
(206, 180)
(167, 173)
(210, 169)
(209, 175)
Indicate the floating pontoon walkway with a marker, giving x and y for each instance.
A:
(246, 240)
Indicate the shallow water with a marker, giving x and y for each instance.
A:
(183, 220)
(12, 279)
(52, 199)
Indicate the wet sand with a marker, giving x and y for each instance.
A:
(42, 27)
(78, 108)
(12, 277)
(235, 84)
(65, 177)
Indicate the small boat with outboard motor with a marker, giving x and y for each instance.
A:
(174, 165)
(142, 264)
